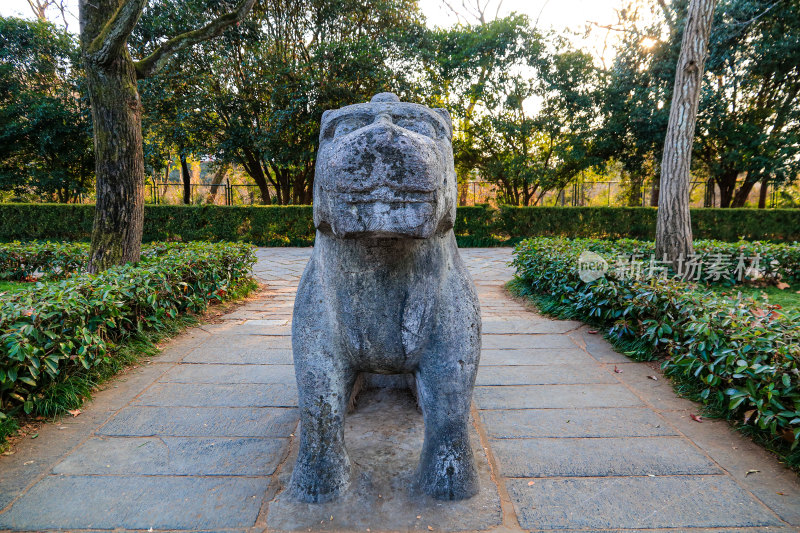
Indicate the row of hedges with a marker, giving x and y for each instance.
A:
(475, 226)
(739, 356)
(54, 329)
(773, 261)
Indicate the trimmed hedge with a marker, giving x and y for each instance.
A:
(51, 330)
(738, 355)
(475, 226)
(640, 223)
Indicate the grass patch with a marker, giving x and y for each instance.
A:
(13, 286)
(73, 389)
(788, 298)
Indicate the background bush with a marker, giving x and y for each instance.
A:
(475, 226)
(735, 353)
(51, 330)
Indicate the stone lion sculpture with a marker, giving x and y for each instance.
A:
(385, 292)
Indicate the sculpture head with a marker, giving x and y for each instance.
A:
(385, 169)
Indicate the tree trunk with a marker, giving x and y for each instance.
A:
(219, 175)
(741, 196)
(654, 189)
(673, 226)
(186, 178)
(708, 199)
(111, 75)
(119, 162)
(762, 194)
(727, 186)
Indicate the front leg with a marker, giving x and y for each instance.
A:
(444, 382)
(322, 470)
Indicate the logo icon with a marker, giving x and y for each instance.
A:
(591, 266)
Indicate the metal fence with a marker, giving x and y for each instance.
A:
(583, 194)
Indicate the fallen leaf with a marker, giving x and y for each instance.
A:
(780, 494)
(531, 483)
(696, 418)
(751, 472)
(654, 378)
(331, 517)
(74, 412)
(34, 435)
(747, 415)
(617, 370)
(430, 528)
(26, 463)
(782, 285)
(592, 331)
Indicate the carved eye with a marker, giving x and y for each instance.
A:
(347, 126)
(418, 126)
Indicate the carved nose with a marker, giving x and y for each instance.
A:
(383, 129)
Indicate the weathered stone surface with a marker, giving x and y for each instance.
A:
(636, 502)
(385, 292)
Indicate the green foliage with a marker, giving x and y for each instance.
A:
(475, 226)
(56, 329)
(640, 223)
(45, 132)
(54, 260)
(256, 95)
(749, 106)
(734, 352)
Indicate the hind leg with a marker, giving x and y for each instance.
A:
(447, 466)
(322, 470)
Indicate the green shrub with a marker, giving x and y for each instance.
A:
(776, 261)
(475, 226)
(640, 223)
(57, 328)
(19, 261)
(738, 354)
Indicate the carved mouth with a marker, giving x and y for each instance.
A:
(388, 196)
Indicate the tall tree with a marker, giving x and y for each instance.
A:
(45, 127)
(112, 74)
(673, 224)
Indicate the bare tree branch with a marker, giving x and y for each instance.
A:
(109, 42)
(150, 64)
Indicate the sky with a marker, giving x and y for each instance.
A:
(572, 16)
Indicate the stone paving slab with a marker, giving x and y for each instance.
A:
(679, 502)
(244, 355)
(175, 456)
(137, 502)
(542, 375)
(515, 342)
(542, 356)
(588, 423)
(219, 395)
(220, 373)
(554, 397)
(595, 457)
(202, 421)
(203, 439)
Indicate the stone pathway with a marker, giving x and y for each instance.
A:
(569, 435)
